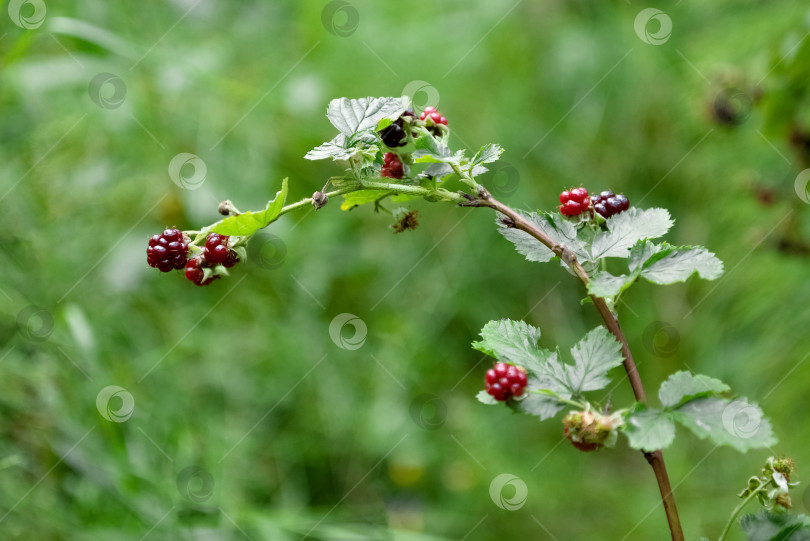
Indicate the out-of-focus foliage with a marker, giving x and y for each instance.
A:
(249, 420)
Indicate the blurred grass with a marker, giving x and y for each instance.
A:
(241, 379)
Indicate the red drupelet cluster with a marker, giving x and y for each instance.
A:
(504, 381)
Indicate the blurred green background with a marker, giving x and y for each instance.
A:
(249, 421)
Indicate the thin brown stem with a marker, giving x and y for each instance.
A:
(656, 458)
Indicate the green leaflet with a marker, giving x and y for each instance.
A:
(516, 342)
(248, 223)
(660, 264)
(697, 403)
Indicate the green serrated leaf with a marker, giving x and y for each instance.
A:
(486, 398)
(776, 526)
(335, 149)
(248, 223)
(513, 342)
(736, 423)
(542, 406)
(649, 430)
(559, 230)
(594, 356)
(439, 170)
(428, 149)
(677, 263)
(352, 116)
(384, 123)
(627, 228)
(360, 197)
(640, 252)
(683, 386)
(603, 284)
(488, 154)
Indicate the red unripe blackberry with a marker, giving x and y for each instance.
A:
(574, 201)
(195, 273)
(392, 166)
(167, 251)
(216, 248)
(503, 381)
(434, 115)
(571, 208)
(580, 195)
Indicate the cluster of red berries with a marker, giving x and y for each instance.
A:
(606, 204)
(392, 166)
(504, 381)
(574, 202)
(217, 252)
(169, 251)
(434, 115)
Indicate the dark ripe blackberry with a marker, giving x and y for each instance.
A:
(613, 205)
(393, 135)
(167, 251)
(607, 204)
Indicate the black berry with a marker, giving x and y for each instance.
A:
(167, 251)
(195, 273)
(504, 381)
(607, 204)
(393, 135)
(392, 166)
